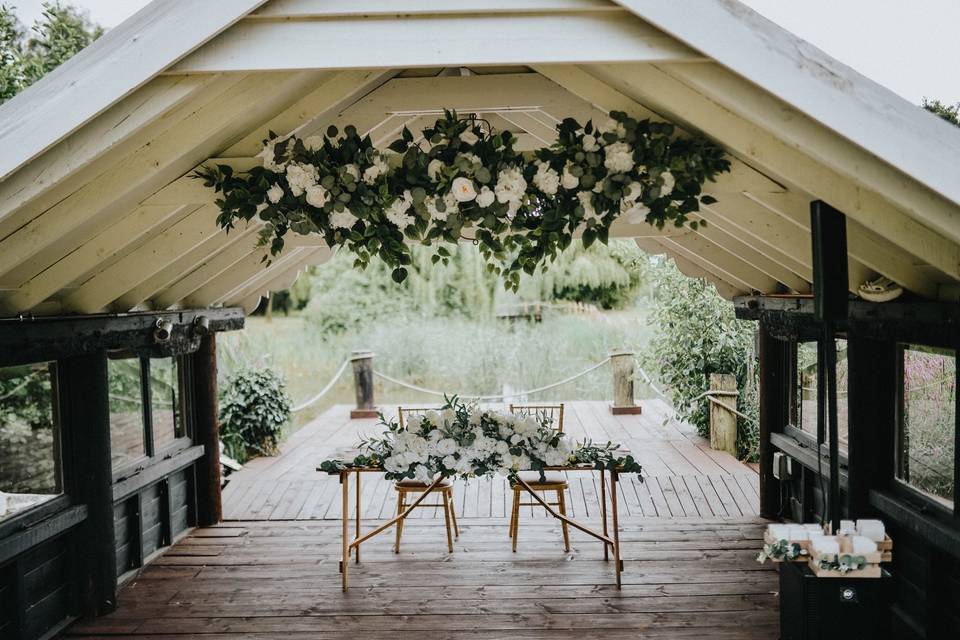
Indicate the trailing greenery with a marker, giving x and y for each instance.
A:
(950, 113)
(696, 334)
(57, 36)
(781, 551)
(254, 407)
(463, 180)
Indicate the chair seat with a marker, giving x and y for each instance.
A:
(532, 478)
(416, 484)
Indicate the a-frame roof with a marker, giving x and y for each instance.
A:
(98, 212)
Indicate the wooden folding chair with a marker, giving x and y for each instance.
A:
(554, 481)
(445, 489)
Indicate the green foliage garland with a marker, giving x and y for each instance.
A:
(464, 181)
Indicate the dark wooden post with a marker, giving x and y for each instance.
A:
(207, 431)
(872, 388)
(775, 385)
(85, 408)
(363, 385)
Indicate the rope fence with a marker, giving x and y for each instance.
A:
(323, 392)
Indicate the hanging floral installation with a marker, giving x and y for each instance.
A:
(466, 441)
(462, 180)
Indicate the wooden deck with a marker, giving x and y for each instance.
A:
(684, 477)
(279, 579)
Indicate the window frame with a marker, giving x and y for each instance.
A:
(795, 410)
(919, 499)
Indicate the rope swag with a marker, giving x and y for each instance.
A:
(462, 180)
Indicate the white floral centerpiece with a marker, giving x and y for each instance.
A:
(465, 441)
(461, 180)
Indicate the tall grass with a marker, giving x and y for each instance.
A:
(452, 354)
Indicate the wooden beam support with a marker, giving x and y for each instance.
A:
(690, 269)
(412, 41)
(207, 431)
(85, 406)
(775, 389)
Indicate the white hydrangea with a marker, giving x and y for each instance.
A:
(446, 447)
(433, 169)
(469, 137)
(590, 143)
(569, 181)
(669, 182)
(375, 170)
(317, 196)
(486, 197)
(397, 214)
(301, 176)
(546, 179)
(463, 189)
(618, 157)
(275, 193)
(414, 422)
(342, 219)
(268, 155)
(449, 462)
(510, 187)
(352, 170)
(634, 212)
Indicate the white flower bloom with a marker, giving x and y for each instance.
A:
(486, 197)
(451, 203)
(448, 416)
(633, 191)
(590, 143)
(397, 212)
(375, 170)
(300, 177)
(342, 219)
(422, 474)
(618, 157)
(268, 155)
(502, 447)
(463, 190)
(469, 137)
(432, 416)
(313, 143)
(352, 170)
(635, 212)
(586, 201)
(516, 438)
(510, 185)
(449, 462)
(317, 196)
(669, 182)
(598, 186)
(435, 214)
(414, 421)
(546, 179)
(275, 193)
(433, 169)
(569, 181)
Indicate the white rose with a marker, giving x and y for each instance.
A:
(633, 191)
(486, 197)
(618, 157)
(317, 196)
(589, 143)
(546, 179)
(510, 186)
(313, 143)
(586, 201)
(569, 181)
(432, 416)
(300, 177)
(275, 193)
(516, 438)
(502, 447)
(446, 447)
(463, 190)
(422, 474)
(635, 212)
(433, 169)
(374, 171)
(469, 137)
(668, 183)
(352, 170)
(342, 219)
(449, 462)
(396, 213)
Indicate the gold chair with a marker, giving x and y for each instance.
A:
(445, 489)
(554, 481)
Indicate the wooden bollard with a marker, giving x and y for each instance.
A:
(622, 365)
(363, 385)
(723, 421)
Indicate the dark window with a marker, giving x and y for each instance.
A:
(165, 402)
(127, 420)
(927, 421)
(30, 456)
(808, 363)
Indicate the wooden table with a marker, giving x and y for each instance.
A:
(610, 540)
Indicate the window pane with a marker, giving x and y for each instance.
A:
(29, 438)
(807, 366)
(126, 411)
(928, 420)
(165, 402)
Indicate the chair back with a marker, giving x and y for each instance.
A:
(553, 412)
(411, 411)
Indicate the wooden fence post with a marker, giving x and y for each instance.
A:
(723, 421)
(622, 365)
(207, 431)
(363, 385)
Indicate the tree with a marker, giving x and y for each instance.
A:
(949, 113)
(56, 37)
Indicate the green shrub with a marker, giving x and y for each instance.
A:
(254, 407)
(696, 334)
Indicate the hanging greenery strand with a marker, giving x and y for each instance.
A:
(461, 180)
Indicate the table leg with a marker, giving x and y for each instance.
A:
(345, 520)
(618, 566)
(358, 516)
(603, 511)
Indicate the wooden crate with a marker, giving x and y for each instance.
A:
(872, 570)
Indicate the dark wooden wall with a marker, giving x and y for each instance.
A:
(926, 557)
(65, 558)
